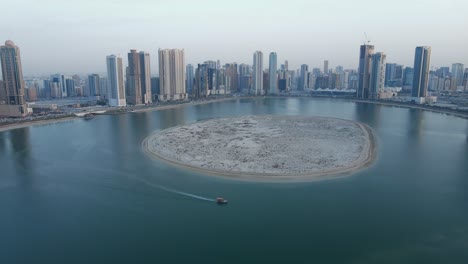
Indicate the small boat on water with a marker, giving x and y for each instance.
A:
(221, 201)
(88, 116)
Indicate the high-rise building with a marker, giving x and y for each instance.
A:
(408, 78)
(273, 80)
(70, 83)
(365, 55)
(232, 79)
(59, 79)
(145, 71)
(325, 67)
(172, 74)
(245, 78)
(2, 93)
(94, 84)
(422, 60)
(115, 81)
(103, 88)
(155, 87)
(201, 81)
(133, 89)
(189, 71)
(457, 74)
(286, 65)
(257, 77)
(304, 75)
(377, 76)
(465, 80)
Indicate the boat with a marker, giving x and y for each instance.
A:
(88, 116)
(221, 201)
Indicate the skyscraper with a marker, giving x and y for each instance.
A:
(59, 79)
(245, 78)
(189, 71)
(304, 81)
(134, 96)
(272, 73)
(172, 74)
(422, 60)
(457, 74)
(365, 54)
(115, 81)
(94, 84)
(232, 80)
(325, 67)
(377, 76)
(145, 71)
(257, 73)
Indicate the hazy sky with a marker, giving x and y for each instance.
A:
(71, 36)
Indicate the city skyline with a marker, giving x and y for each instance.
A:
(328, 36)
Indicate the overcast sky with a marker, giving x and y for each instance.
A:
(71, 36)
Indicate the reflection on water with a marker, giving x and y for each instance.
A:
(415, 121)
(368, 113)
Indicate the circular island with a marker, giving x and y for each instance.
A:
(269, 148)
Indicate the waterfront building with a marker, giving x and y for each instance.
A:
(133, 89)
(245, 78)
(189, 72)
(304, 75)
(232, 77)
(172, 74)
(457, 74)
(145, 82)
(94, 84)
(70, 84)
(422, 59)
(257, 77)
(273, 79)
(377, 78)
(366, 52)
(325, 67)
(115, 81)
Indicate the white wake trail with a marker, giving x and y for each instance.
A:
(175, 191)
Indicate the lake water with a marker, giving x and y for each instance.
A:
(84, 192)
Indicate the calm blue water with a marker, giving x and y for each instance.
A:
(84, 192)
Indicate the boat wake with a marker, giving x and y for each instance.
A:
(175, 191)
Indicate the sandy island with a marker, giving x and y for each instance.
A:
(267, 148)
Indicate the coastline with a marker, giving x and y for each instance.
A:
(157, 108)
(68, 118)
(365, 160)
(36, 123)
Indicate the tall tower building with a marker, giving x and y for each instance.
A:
(272, 73)
(377, 78)
(94, 84)
(257, 77)
(457, 74)
(245, 78)
(304, 80)
(232, 80)
(365, 54)
(325, 67)
(115, 81)
(286, 65)
(189, 71)
(134, 96)
(172, 74)
(145, 71)
(422, 60)
(13, 82)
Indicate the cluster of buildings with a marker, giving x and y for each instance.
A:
(134, 85)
